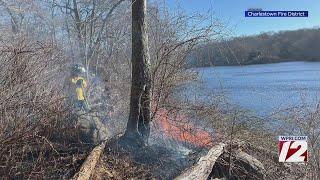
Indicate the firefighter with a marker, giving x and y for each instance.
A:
(79, 84)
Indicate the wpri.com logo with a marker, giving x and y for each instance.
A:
(293, 149)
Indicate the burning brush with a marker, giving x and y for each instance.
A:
(178, 127)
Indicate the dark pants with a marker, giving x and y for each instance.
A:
(82, 105)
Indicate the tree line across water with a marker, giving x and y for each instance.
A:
(271, 47)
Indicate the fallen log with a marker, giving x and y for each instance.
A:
(203, 168)
(90, 163)
(239, 165)
(218, 163)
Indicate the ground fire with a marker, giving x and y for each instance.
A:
(178, 127)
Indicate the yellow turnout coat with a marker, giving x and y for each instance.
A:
(80, 83)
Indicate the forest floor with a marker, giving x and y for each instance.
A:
(151, 162)
(159, 163)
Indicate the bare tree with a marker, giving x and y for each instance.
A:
(138, 126)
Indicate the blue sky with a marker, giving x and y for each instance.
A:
(231, 12)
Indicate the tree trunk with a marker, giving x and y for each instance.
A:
(140, 105)
(81, 43)
(15, 26)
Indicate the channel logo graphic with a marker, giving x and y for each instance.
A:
(293, 149)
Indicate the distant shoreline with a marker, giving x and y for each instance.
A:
(262, 63)
(265, 48)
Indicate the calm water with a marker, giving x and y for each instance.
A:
(266, 88)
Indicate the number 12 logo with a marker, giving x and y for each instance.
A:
(293, 149)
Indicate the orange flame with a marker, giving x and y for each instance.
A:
(175, 126)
